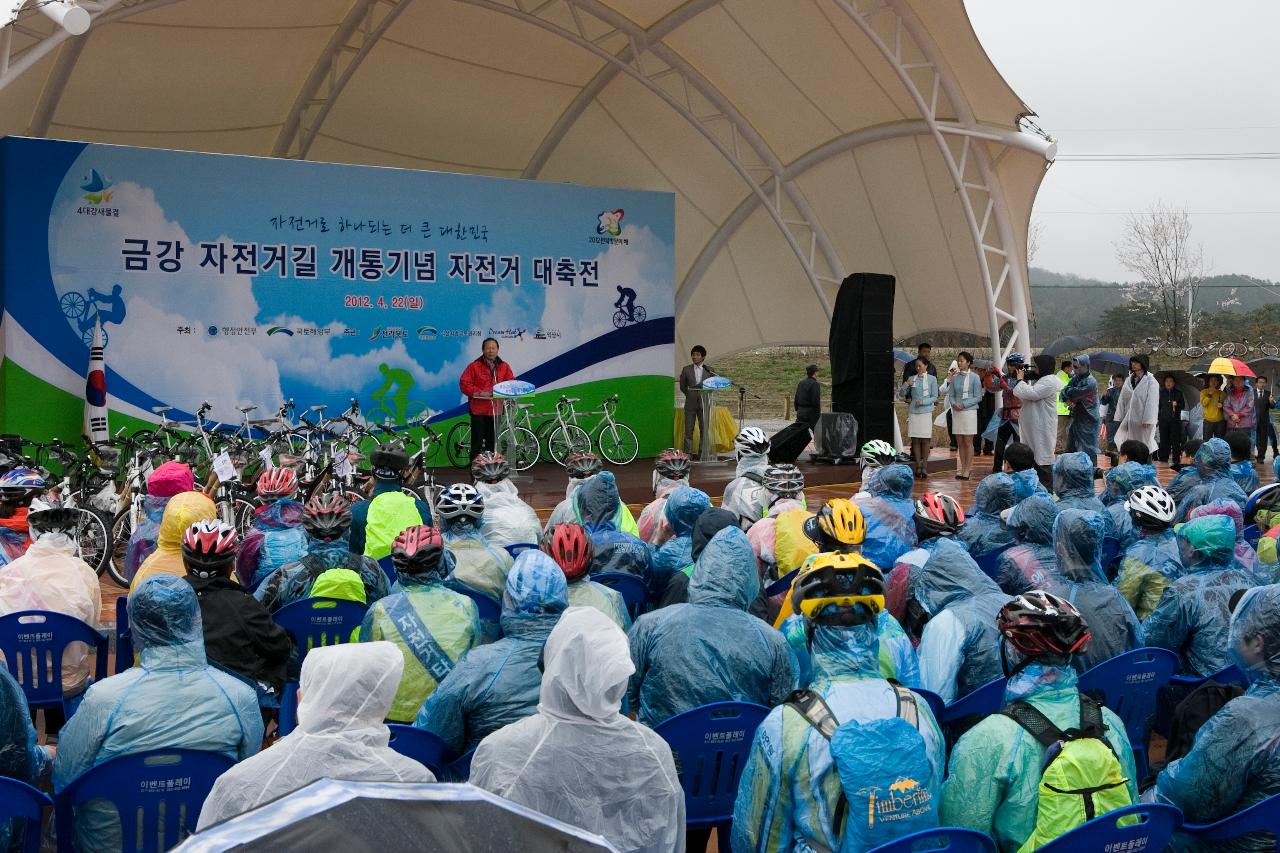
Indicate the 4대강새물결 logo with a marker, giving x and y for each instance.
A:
(610, 222)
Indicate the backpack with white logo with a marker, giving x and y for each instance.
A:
(884, 769)
(1080, 777)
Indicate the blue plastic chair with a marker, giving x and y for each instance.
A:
(517, 548)
(1151, 832)
(632, 589)
(1129, 683)
(20, 800)
(936, 705)
(1227, 675)
(312, 623)
(33, 641)
(165, 787)
(426, 748)
(1252, 534)
(490, 610)
(782, 584)
(710, 745)
(1260, 817)
(124, 637)
(988, 561)
(987, 699)
(944, 839)
(460, 768)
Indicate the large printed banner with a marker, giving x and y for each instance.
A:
(250, 281)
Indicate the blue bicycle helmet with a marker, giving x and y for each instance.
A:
(21, 479)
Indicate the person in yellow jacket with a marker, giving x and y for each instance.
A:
(183, 510)
(1211, 400)
(1064, 410)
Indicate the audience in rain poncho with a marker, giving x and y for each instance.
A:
(171, 478)
(709, 523)
(578, 759)
(497, 684)
(344, 693)
(1032, 562)
(682, 509)
(595, 505)
(888, 510)
(507, 519)
(181, 512)
(1073, 483)
(1212, 462)
(1246, 556)
(1121, 480)
(984, 532)
(20, 757)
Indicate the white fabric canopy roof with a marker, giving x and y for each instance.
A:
(804, 139)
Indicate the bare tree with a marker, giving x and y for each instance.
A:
(1034, 234)
(1157, 248)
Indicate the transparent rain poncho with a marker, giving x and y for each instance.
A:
(1032, 562)
(889, 513)
(1073, 483)
(1246, 556)
(984, 532)
(20, 758)
(1146, 568)
(508, 520)
(652, 524)
(595, 506)
(344, 694)
(683, 508)
(578, 759)
(1214, 482)
(745, 496)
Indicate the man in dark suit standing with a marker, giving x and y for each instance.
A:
(1266, 433)
(691, 378)
(923, 353)
(809, 398)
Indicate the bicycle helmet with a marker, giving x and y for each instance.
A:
(417, 550)
(570, 546)
(388, 462)
(839, 589)
(937, 515)
(47, 517)
(672, 464)
(582, 464)
(20, 481)
(1015, 359)
(838, 526)
(460, 501)
(785, 481)
(751, 440)
(209, 548)
(327, 517)
(490, 467)
(878, 454)
(1151, 508)
(1040, 624)
(277, 483)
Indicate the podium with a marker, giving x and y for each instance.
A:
(706, 394)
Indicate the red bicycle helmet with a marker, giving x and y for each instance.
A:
(209, 547)
(570, 546)
(490, 467)
(277, 483)
(582, 464)
(672, 464)
(417, 550)
(937, 515)
(328, 517)
(1040, 624)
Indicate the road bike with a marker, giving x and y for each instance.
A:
(621, 320)
(616, 441)
(561, 435)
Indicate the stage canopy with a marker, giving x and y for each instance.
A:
(804, 139)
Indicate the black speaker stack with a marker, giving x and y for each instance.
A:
(862, 375)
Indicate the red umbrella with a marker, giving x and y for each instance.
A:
(1230, 367)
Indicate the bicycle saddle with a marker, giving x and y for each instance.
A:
(160, 410)
(246, 409)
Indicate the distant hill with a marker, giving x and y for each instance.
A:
(1067, 304)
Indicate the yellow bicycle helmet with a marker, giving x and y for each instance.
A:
(850, 582)
(840, 523)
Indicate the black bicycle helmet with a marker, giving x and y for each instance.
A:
(327, 518)
(388, 463)
(672, 464)
(490, 467)
(1040, 624)
(582, 464)
(52, 518)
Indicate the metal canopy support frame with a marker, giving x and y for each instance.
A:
(666, 74)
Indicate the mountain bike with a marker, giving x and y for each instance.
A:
(1196, 351)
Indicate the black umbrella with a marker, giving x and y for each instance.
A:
(1268, 366)
(1109, 363)
(1189, 385)
(387, 817)
(1070, 343)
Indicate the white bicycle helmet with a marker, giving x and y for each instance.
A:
(461, 500)
(751, 440)
(1151, 507)
(878, 454)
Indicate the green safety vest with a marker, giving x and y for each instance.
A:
(390, 513)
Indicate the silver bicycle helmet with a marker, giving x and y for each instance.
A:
(461, 500)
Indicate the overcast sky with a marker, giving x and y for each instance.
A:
(1148, 77)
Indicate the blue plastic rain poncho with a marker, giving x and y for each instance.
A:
(889, 513)
(790, 788)
(898, 659)
(1081, 396)
(1234, 762)
(276, 539)
(1027, 483)
(173, 699)
(983, 531)
(1032, 563)
(683, 508)
(1077, 540)
(1147, 567)
(293, 582)
(478, 564)
(1194, 612)
(1245, 475)
(433, 627)
(745, 496)
(344, 694)
(497, 684)
(1213, 463)
(20, 758)
(1121, 480)
(1073, 483)
(710, 649)
(615, 551)
(1184, 481)
(959, 648)
(578, 759)
(1246, 556)
(995, 767)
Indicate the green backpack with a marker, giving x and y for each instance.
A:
(1080, 777)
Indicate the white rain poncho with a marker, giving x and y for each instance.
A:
(49, 576)
(578, 759)
(344, 694)
(507, 519)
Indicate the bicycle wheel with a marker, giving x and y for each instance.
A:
(73, 305)
(641, 315)
(95, 539)
(519, 446)
(618, 444)
(567, 439)
(1194, 351)
(619, 318)
(1270, 349)
(120, 532)
(244, 512)
(1174, 352)
(1227, 349)
(457, 446)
